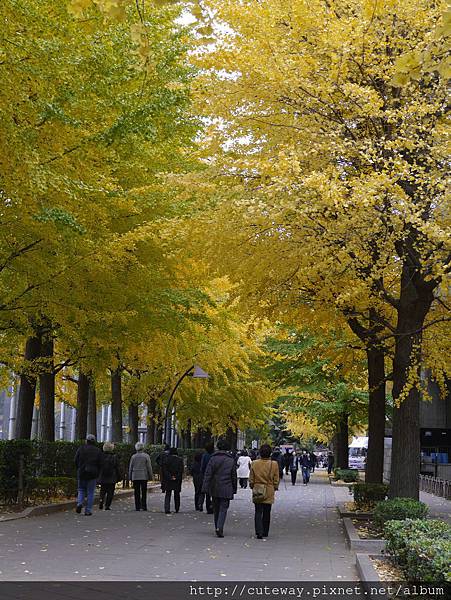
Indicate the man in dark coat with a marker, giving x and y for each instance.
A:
(159, 461)
(221, 482)
(277, 456)
(172, 474)
(110, 474)
(198, 479)
(330, 462)
(305, 462)
(287, 459)
(88, 461)
(209, 449)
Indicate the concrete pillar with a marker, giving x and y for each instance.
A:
(72, 424)
(62, 428)
(13, 397)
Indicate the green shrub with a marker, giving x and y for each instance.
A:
(399, 509)
(367, 494)
(347, 475)
(44, 489)
(421, 547)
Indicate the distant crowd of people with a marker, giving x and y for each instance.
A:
(215, 473)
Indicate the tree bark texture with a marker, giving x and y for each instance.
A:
(376, 416)
(92, 409)
(27, 389)
(343, 443)
(47, 388)
(133, 420)
(415, 301)
(151, 421)
(116, 405)
(81, 418)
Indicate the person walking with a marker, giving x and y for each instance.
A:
(314, 461)
(206, 456)
(110, 474)
(196, 473)
(172, 475)
(264, 482)
(304, 461)
(277, 456)
(244, 465)
(159, 461)
(330, 462)
(294, 467)
(287, 459)
(221, 482)
(88, 461)
(140, 471)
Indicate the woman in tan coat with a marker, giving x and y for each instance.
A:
(264, 471)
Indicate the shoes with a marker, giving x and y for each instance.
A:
(167, 512)
(107, 508)
(219, 533)
(176, 511)
(144, 509)
(101, 505)
(88, 514)
(259, 537)
(137, 509)
(78, 509)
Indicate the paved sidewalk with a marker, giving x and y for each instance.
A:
(306, 542)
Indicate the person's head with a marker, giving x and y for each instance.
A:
(198, 457)
(108, 447)
(139, 446)
(304, 452)
(90, 438)
(265, 451)
(223, 445)
(173, 451)
(243, 453)
(287, 451)
(209, 447)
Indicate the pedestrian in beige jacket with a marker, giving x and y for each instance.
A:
(264, 471)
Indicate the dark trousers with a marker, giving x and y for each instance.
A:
(107, 493)
(294, 474)
(287, 468)
(140, 487)
(208, 502)
(198, 497)
(262, 519)
(243, 482)
(167, 500)
(220, 508)
(329, 469)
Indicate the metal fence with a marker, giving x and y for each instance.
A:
(436, 486)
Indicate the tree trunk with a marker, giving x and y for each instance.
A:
(414, 304)
(376, 416)
(92, 409)
(116, 405)
(343, 443)
(81, 417)
(47, 389)
(27, 390)
(133, 421)
(150, 421)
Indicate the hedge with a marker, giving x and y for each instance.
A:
(399, 509)
(366, 495)
(56, 460)
(421, 547)
(347, 475)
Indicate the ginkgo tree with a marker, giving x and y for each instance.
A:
(330, 174)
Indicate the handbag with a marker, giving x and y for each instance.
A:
(260, 490)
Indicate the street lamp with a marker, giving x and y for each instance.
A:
(194, 371)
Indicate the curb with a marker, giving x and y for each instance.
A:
(357, 544)
(47, 509)
(344, 513)
(365, 569)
